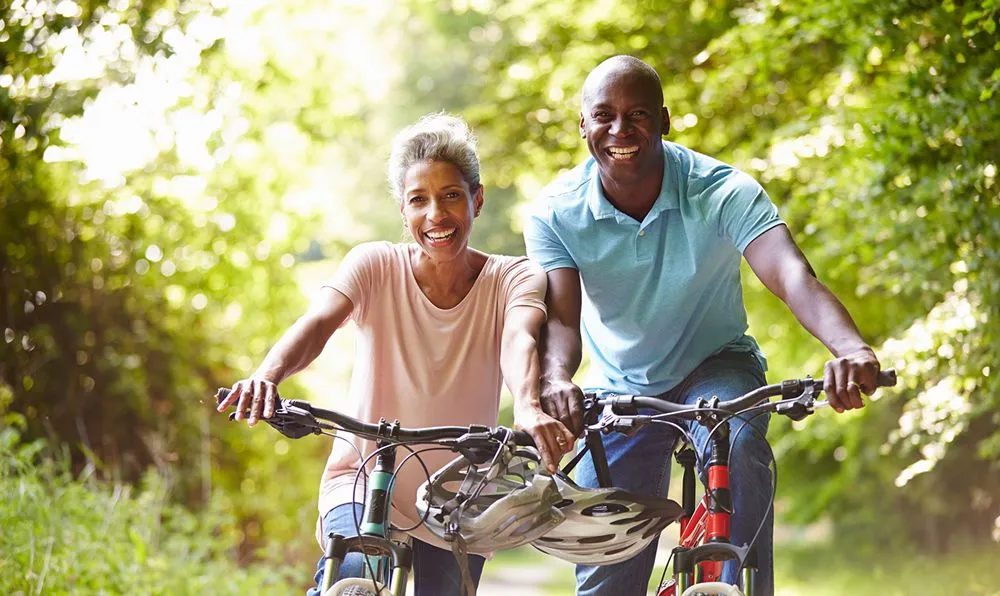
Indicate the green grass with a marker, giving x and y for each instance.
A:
(65, 535)
(823, 570)
(830, 571)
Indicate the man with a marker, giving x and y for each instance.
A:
(643, 242)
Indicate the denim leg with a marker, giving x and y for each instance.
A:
(639, 464)
(436, 573)
(727, 376)
(341, 520)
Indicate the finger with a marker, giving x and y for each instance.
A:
(244, 401)
(550, 403)
(230, 399)
(270, 398)
(561, 437)
(854, 389)
(842, 378)
(560, 405)
(545, 448)
(854, 395)
(257, 405)
(830, 388)
(869, 377)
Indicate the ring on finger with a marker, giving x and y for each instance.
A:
(854, 385)
(561, 441)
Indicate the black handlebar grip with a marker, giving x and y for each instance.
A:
(887, 378)
(221, 395)
(523, 439)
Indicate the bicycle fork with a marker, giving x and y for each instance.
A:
(701, 566)
(381, 554)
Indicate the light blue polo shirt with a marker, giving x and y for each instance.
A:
(659, 296)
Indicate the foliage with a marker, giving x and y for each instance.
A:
(871, 124)
(54, 524)
(130, 292)
(165, 163)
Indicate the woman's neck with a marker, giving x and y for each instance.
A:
(447, 283)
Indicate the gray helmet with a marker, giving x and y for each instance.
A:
(604, 526)
(501, 504)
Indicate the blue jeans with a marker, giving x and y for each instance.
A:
(641, 464)
(435, 572)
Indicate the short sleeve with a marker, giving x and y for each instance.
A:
(356, 276)
(745, 211)
(523, 283)
(543, 244)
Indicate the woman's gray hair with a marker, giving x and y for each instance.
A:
(435, 137)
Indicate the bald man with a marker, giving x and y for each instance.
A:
(642, 245)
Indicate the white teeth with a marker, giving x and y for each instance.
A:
(440, 235)
(623, 153)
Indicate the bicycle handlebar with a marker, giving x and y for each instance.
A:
(788, 389)
(296, 418)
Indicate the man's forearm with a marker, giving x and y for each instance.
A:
(562, 351)
(823, 315)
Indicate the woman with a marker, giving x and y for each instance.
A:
(439, 324)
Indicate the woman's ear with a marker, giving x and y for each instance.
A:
(477, 201)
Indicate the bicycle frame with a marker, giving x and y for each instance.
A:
(383, 556)
(706, 523)
(704, 544)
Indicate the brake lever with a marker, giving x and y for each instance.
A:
(803, 405)
(293, 421)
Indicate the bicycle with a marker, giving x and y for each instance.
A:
(704, 544)
(385, 557)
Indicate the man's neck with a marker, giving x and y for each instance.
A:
(634, 199)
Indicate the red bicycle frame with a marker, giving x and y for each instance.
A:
(704, 543)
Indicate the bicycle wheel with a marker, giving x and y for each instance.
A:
(355, 586)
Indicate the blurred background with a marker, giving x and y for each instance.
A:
(177, 177)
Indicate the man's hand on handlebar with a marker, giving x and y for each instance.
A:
(563, 400)
(846, 378)
(255, 398)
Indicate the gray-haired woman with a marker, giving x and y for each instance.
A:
(440, 326)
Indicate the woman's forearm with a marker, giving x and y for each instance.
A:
(520, 366)
(297, 348)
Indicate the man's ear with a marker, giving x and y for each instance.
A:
(477, 201)
(666, 121)
(583, 130)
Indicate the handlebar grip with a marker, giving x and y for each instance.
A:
(221, 395)
(887, 378)
(523, 439)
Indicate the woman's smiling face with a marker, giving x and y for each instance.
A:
(438, 208)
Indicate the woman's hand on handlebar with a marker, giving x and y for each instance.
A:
(551, 437)
(255, 398)
(846, 378)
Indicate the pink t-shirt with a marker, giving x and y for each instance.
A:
(420, 364)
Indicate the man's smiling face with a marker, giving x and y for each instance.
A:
(622, 120)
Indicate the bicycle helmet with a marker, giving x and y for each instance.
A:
(501, 504)
(605, 525)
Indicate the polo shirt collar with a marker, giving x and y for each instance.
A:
(667, 199)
